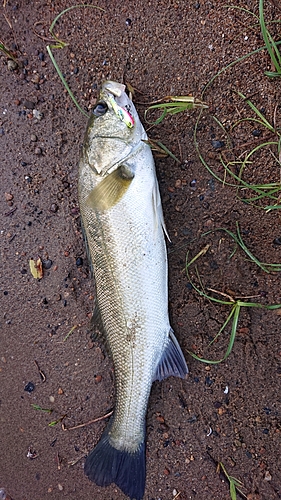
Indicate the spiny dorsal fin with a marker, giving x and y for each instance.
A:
(111, 189)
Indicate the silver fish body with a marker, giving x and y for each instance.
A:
(122, 217)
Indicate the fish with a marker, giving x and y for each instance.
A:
(123, 222)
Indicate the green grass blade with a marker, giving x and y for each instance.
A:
(269, 43)
(60, 45)
(224, 325)
(232, 490)
(258, 113)
(60, 42)
(178, 105)
(7, 52)
(268, 208)
(230, 65)
(169, 153)
(64, 81)
(233, 329)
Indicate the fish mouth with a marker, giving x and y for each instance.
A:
(114, 94)
(114, 88)
(109, 137)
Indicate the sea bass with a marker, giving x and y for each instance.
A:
(124, 227)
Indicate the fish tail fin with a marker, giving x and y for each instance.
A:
(172, 362)
(105, 465)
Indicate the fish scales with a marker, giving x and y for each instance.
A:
(122, 217)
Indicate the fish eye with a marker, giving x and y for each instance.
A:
(100, 108)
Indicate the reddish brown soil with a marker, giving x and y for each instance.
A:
(230, 412)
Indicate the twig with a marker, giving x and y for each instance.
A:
(42, 374)
(87, 423)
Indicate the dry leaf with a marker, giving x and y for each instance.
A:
(36, 268)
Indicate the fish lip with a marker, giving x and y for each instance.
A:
(113, 88)
(109, 137)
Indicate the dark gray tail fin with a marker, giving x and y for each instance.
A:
(106, 465)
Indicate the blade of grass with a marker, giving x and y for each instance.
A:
(230, 65)
(7, 53)
(234, 484)
(64, 81)
(236, 305)
(258, 113)
(178, 105)
(70, 332)
(270, 44)
(160, 148)
(60, 45)
(39, 408)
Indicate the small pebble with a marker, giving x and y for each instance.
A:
(54, 208)
(38, 151)
(218, 144)
(38, 114)
(9, 197)
(79, 262)
(208, 381)
(52, 399)
(277, 241)
(60, 390)
(28, 104)
(60, 487)
(12, 65)
(4, 495)
(267, 476)
(47, 264)
(33, 138)
(128, 21)
(41, 56)
(256, 133)
(29, 387)
(193, 183)
(98, 379)
(160, 419)
(35, 79)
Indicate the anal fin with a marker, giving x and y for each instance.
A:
(172, 362)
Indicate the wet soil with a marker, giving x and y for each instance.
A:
(228, 412)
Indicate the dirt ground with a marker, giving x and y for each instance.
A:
(229, 412)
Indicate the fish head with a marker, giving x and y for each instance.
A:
(114, 129)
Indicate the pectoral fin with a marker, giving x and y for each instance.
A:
(157, 207)
(111, 189)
